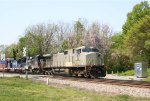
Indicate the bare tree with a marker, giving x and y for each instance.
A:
(98, 36)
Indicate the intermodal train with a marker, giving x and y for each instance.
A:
(82, 61)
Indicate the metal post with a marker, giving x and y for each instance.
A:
(26, 62)
(112, 72)
(26, 74)
(3, 71)
(47, 81)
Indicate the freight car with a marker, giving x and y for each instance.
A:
(83, 61)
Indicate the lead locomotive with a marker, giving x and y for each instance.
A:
(84, 61)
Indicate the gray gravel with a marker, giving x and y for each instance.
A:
(100, 88)
(114, 76)
(104, 88)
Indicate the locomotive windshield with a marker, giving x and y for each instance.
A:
(90, 50)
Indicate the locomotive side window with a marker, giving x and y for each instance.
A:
(66, 52)
(94, 50)
(78, 51)
(89, 50)
(86, 50)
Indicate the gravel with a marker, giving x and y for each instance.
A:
(114, 76)
(103, 88)
(93, 87)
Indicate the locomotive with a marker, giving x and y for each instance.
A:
(82, 61)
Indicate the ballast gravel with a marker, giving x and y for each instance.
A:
(106, 88)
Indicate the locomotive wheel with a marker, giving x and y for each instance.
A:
(50, 73)
(76, 75)
(82, 75)
(95, 72)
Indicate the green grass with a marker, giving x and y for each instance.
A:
(148, 78)
(127, 73)
(17, 89)
(132, 72)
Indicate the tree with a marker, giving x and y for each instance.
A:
(65, 45)
(139, 38)
(61, 37)
(117, 40)
(79, 32)
(135, 32)
(39, 39)
(10, 50)
(139, 11)
(118, 58)
(98, 35)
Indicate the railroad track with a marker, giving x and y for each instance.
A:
(129, 83)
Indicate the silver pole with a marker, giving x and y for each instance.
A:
(3, 71)
(26, 62)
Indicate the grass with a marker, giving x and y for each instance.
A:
(132, 72)
(17, 89)
(127, 73)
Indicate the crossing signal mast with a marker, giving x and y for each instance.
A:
(14, 54)
(25, 51)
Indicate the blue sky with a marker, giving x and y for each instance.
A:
(17, 15)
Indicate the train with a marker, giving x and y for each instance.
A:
(82, 61)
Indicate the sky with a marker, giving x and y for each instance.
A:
(17, 15)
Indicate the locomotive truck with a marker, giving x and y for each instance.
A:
(83, 61)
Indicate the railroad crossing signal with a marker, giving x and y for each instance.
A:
(24, 51)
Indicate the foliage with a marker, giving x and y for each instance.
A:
(148, 78)
(117, 40)
(79, 29)
(136, 32)
(9, 50)
(65, 45)
(139, 11)
(38, 38)
(118, 59)
(99, 36)
(52, 38)
(16, 89)
(139, 38)
(133, 44)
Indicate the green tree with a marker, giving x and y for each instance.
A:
(117, 40)
(139, 11)
(65, 45)
(39, 39)
(138, 40)
(79, 30)
(118, 59)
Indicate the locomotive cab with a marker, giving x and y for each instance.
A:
(91, 59)
(88, 56)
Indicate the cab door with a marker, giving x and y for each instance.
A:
(77, 57)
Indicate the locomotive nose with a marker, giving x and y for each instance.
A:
(93, 59)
